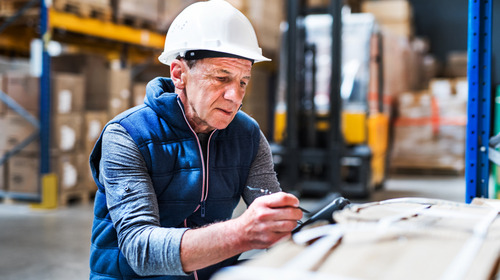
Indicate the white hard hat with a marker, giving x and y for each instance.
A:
(211, 27)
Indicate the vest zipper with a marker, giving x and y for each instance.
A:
(204, 184)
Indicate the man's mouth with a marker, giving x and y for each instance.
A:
(227, 112)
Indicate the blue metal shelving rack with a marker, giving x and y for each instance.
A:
(42, 125)
(478, 106)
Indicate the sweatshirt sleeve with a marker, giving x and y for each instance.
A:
(149, 248)
(261, 177)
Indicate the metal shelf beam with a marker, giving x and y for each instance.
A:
(478, 106)
(106, 30)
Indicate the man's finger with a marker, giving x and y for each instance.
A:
(280, 199)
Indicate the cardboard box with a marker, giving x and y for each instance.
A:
(429, 147)
(69, 170)
(168, 10)
(318, 3)
(3, 136)
(150, 72)
(94, 123)
(256, 101)
(3, 168)
(138, 93)
(462, 88)
(430, 130)
(266, 18)
(397, 69)
(144, 10)
(389, 10)
(241, 5)
(407, 238)
(67, 132)
(23, 173)
(394, 16)
(88, 180)
(24, 89)
(3, 107)
(456, 64)
(17, 130)
(119, 82)
(94, 70)
(68, 93)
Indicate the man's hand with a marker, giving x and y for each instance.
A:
(268, 219)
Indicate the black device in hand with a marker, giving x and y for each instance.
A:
(325, 213)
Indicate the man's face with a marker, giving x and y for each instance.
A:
(214, 91)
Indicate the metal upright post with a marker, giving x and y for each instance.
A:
(496, 131)
(44, 92)
(48, 183)
(478, 106)
(292, 143)
(334, 134)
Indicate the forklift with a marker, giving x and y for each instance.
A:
(330, 127)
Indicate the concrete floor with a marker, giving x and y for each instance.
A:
(54, 244)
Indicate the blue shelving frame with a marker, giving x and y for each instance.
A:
(44, 92)
(479, 100)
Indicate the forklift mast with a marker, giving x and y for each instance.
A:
(327, 122)
(296, 164)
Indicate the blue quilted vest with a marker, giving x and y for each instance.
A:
(172, 154)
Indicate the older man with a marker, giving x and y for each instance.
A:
(171, 171)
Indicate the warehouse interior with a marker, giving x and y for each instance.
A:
(371, 108)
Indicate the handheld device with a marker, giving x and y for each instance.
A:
(325, 213)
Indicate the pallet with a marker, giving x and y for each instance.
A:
(137, 22)
(9, 8)
(85, 9)
(68, 197)
(427, 170)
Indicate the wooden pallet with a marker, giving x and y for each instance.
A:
(427, 170)
(68, 197)
(136, 22)
(86, 9)
(11, 7)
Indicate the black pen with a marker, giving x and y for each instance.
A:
(266, 192)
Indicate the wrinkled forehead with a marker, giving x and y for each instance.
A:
(225, 65)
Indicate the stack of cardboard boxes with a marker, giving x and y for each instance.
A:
(430, 130)
(155, 15)
(67, 157)
(85, 94)
(394, 16)
(25, 91)
(405, 238)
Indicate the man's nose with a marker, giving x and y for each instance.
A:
(234, 93)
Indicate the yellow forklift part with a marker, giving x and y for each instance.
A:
(322, 126)
(378, 169)
(49, 192)
(378, 130)
(354, 127)
(279, 126)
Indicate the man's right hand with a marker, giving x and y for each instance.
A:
(268, 219)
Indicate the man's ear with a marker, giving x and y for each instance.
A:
(177, 69)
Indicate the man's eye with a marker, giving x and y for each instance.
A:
(243, 84)
(222, 79)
